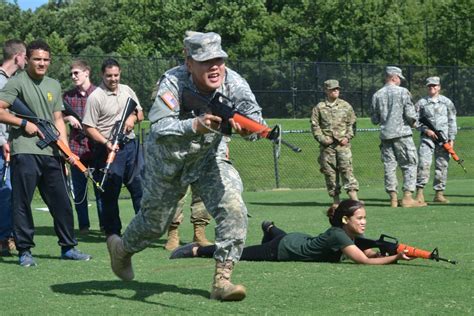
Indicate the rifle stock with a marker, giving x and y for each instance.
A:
(50, 133)
(223, 107)
(442, 141)
(116, 138)
(390, 246)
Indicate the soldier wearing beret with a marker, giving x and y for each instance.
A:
(184, 150)
(332, 124)
(394, 111)
(441, 113)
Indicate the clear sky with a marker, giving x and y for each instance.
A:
(29, 4)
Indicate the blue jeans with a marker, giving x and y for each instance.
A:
(120, 174)
(6, 222)
(79, 182)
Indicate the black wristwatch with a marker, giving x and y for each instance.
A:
(23, 123)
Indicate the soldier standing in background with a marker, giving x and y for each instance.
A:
(200, 218)
(440, 111)
(332, 124)
(394, 111)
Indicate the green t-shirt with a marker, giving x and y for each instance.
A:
(327, 247)
(43, 97)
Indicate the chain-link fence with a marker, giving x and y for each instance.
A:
(260, 171)
(289, 89)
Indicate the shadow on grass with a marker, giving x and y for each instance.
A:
(142, 290)
(94, 236)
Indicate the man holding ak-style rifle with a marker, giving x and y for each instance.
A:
(32, 166)
(104, 109)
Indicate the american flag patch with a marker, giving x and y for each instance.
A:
(169, 100)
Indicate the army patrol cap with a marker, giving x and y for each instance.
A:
(394, 71)
(331, 84)
(203, 46)
(431, 81)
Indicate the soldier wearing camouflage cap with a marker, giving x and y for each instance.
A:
(332, 124)
(441, 113)
(394, 111)
(184, 150)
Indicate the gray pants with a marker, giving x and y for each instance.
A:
(425, 154)
(401, 152)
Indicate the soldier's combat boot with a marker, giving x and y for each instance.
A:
(353, 195)
(120, 259)
(393, 199)
(408, 200)
(440, 198)
(420, 197)
(335, 200)
(173, 238)
(222, 288)
(200, 235)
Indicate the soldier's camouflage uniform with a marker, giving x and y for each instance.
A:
(330, 123)
(394, 111)
(442, 114)
(177, 157)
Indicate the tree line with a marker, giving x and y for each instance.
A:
(416, 32)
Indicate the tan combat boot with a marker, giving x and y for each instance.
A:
(353, 195)
(440, 198)
(420, 197)
(393, 199)
(222, 288)
(200, 235)
(120, 260)
(173, 238)
(408, 200)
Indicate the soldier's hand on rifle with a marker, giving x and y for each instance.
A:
(206, 123)
(236, 126)
(33, 130)
(431, 134)
(344, 141)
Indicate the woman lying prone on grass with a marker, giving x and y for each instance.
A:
(348, 221)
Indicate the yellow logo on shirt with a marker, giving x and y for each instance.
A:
(50, 96)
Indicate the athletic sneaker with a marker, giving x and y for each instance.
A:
(74, 254)
(26, 259)
(185, 251)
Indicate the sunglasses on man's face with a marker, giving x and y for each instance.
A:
(75, 73)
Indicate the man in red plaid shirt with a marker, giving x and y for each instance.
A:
(79, 143)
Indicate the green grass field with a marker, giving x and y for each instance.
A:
(176, 287)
